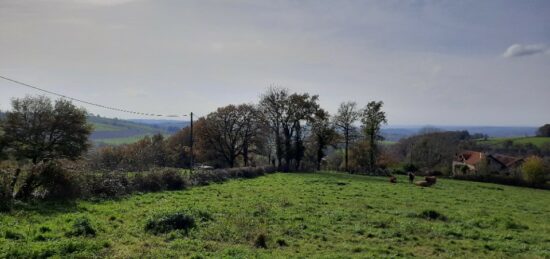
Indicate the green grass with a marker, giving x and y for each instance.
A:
(105, 127)
(324, 215)
(120, 141)
(537, 141)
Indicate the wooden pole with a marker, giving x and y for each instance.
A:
(191, 143)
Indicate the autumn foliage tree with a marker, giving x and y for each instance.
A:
(230, 131)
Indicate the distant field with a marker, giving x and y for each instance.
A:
(120, 141)
(324, 215)
(537, 141)
(116, 132)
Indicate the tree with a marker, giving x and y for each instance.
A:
(323, 134)
(345, 118)
(544, 131)
(252, 125)
(373, 118)
(2, 138)
(533, 170)
(272, 106)
(432, 150)
(284, 114)
(38, 130)
(224, 132)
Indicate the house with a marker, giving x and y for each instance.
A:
(476, 163)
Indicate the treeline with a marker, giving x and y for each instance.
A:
(45, 150)
(287, 130)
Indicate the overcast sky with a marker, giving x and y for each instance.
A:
(431, 62)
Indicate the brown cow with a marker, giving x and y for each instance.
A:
(422, 184)
(431, 179)
(393, 179)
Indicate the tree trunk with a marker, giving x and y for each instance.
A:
(319, 157)
(346, 151)
(245, 155)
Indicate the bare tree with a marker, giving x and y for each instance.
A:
(345, 118)
(373, 118)
(285, 113)
(323, 134)
(272, 105)
(252, 123)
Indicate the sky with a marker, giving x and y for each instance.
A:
(463, 62)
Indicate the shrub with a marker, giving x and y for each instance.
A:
(106, 185)
(159, 179)
(171, 178)
(50, 180)
(169, 222)
(6, 191)
(147, 182)
(82, 227)
(533, 170)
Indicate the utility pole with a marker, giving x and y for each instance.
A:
(191, 143)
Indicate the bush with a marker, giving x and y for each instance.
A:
(50, 180)
(221, 175)
(159, 179)
(147, 182)
(171, 178)
(533, 170)
(106, 185)
(6, 190)
(169, 222)
(82, 227)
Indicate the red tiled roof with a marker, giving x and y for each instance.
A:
(470, 157)
(473, 157)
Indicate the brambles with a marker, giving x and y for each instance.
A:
(169, 222)
(82, 227)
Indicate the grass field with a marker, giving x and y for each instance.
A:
(537, 141)
(120, 141)
(324, 215)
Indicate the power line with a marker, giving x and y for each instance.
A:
(91, 103)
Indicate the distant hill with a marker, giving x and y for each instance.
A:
(117, 131)
(395, 133)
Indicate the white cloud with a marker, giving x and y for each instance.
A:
(518, 50)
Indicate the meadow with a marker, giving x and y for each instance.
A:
(537, 141)
(320, 215)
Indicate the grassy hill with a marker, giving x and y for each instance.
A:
(323, 215)
(537, 141)
(116, 132)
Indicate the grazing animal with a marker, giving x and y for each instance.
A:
(393, 179)
(411, 177)
(431, 179)
(423, 184)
